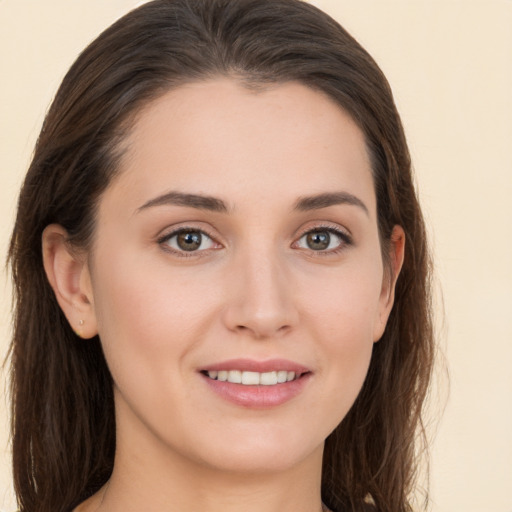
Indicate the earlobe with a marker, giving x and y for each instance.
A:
(69, 277)
(396, 260)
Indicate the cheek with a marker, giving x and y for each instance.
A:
(149, 311)
(138, 287)
(151, 320)
(346, 302)
(342, 315)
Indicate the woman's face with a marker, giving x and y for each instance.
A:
(238, 242)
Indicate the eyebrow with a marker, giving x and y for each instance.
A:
(327, 199)
(209, 203)
(198, 201)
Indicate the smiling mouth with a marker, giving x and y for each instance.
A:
(248, 378)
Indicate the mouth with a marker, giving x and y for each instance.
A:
(249, 378)
(257, 384)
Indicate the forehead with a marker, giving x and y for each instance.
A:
(221, 138)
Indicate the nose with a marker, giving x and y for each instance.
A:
(261, 299)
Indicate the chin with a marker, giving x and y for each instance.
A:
(261, 453)
(260, 462)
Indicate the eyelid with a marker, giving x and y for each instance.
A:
(323, 225)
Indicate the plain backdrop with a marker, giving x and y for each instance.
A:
(450, 65)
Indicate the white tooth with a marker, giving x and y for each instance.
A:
(281, 376)
(290, 376)
(222, 375)
(250, 378)
(235, 376)
(268, 378)
(213, 374)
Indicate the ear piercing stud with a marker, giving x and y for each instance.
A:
(78, 331)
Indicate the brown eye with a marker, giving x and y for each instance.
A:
(318, 240)
(324, 240)
(188, 240)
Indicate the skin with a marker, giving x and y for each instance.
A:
(254, 289)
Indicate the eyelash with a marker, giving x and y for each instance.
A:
(345, 241)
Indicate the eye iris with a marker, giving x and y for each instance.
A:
(189, 240)
(318, 240)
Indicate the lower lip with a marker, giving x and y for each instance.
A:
(258, 397)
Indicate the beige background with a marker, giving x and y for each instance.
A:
(450, 65)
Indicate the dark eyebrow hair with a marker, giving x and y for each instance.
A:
(201, 202)
(327, 199)
(191, 200)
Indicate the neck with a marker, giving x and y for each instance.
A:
(147, 476)
(181, 487)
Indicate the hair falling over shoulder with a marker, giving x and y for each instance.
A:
(63, 424)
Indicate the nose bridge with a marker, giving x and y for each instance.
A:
(261, 301)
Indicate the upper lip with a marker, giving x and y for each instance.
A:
(252, 365)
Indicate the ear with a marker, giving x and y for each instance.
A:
(69, 276)
(387, 296)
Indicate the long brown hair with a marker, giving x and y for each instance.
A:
(63, 426)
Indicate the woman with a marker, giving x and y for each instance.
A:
(221, 273)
